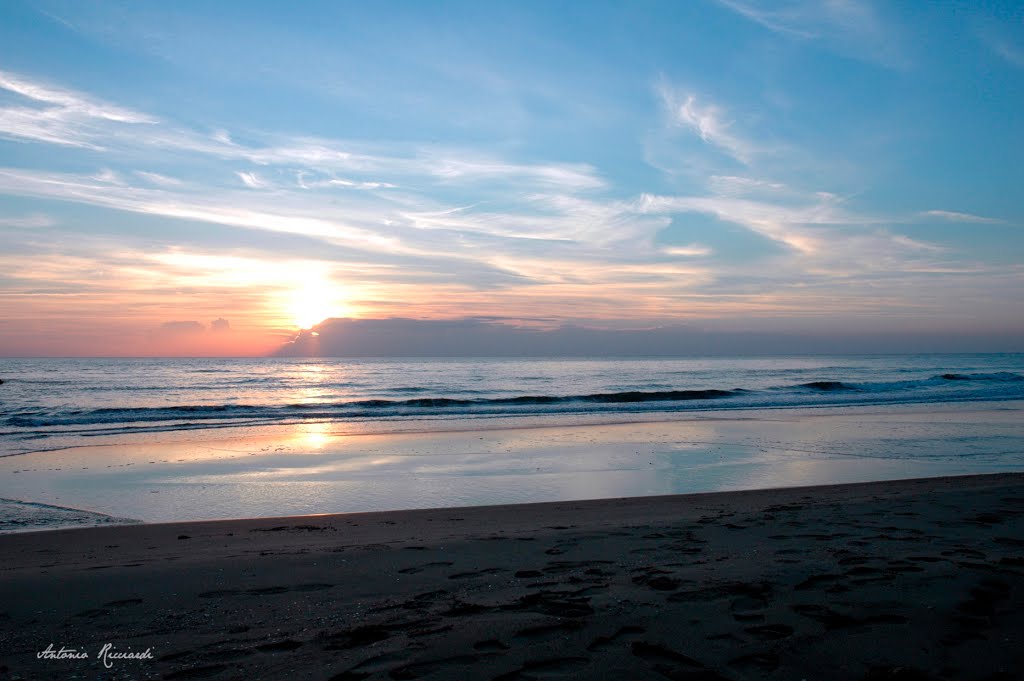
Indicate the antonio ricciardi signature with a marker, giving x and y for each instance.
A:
(108, 654)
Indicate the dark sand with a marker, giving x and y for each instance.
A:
(902, 580)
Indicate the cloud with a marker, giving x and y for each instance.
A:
(708, 121)
(158, 179)
(481, 337)
(372, 224)
(954, 216)
(336, 182)
(65, 117)
(826, 240)
(916, 244)
(60, 116)
(787, 224)
(849, 27)
(33, 221)
(108, 176)
(219, 207)
(402, 229)
(1011, 53)
(579, 176)
(476, 337)
(440, 164)
(824, 236)
(220, 325)
(251, 180)
(570, 220)
(998, 40)
(693, 250)
(733, 185)
(69, 100)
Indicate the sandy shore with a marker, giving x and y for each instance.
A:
(903, 580)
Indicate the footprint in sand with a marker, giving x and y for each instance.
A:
(603, 642)
(554, 668)
(426, 566)
(770, 632)
(763, 661)
(491, 645)
(985, 597)
(279, 646)
(550, 629)
(123, 603)
(672, 664)
(476, 573)
(418, 669)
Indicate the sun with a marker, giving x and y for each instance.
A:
(308, 313)
(313, 302)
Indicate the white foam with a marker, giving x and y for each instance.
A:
(25, 516)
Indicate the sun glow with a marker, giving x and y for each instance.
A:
(313, 302)
(308, 312)
(314, 435)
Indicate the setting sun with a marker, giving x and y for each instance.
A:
(314, 302)
(309, 312)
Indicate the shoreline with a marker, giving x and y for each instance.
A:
(328, 468)
(853, 581)
(256, 523)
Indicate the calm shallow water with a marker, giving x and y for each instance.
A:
(308, 468)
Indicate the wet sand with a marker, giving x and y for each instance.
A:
(918, 579)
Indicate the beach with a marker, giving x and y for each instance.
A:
(511, 341)
(918, 579)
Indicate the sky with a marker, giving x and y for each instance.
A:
(197, 178)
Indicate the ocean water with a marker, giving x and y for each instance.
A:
(44, 398)
(355, 435)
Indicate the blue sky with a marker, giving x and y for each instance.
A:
(807, 167)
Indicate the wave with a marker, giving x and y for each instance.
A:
(1002, 376)
(826, 392)
(828, 386)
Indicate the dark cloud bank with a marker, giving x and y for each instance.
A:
(485, 338)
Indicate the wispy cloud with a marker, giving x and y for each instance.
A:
(158, 179)
(791, 225)
(707, 120)
(58, 115)
(33, 221)
(65, 117)
(998, 40)
(578, 176)
(251, 180)
(691, 251)
(69, 100)
(339, 182)
(850, 27)
(824, 238)
(733, 185)
(369, 225)
(1011, 53)
(220, 208)
(955, 216)
(431, 230)
(108, 176)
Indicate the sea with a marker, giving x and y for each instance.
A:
(54, 406)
